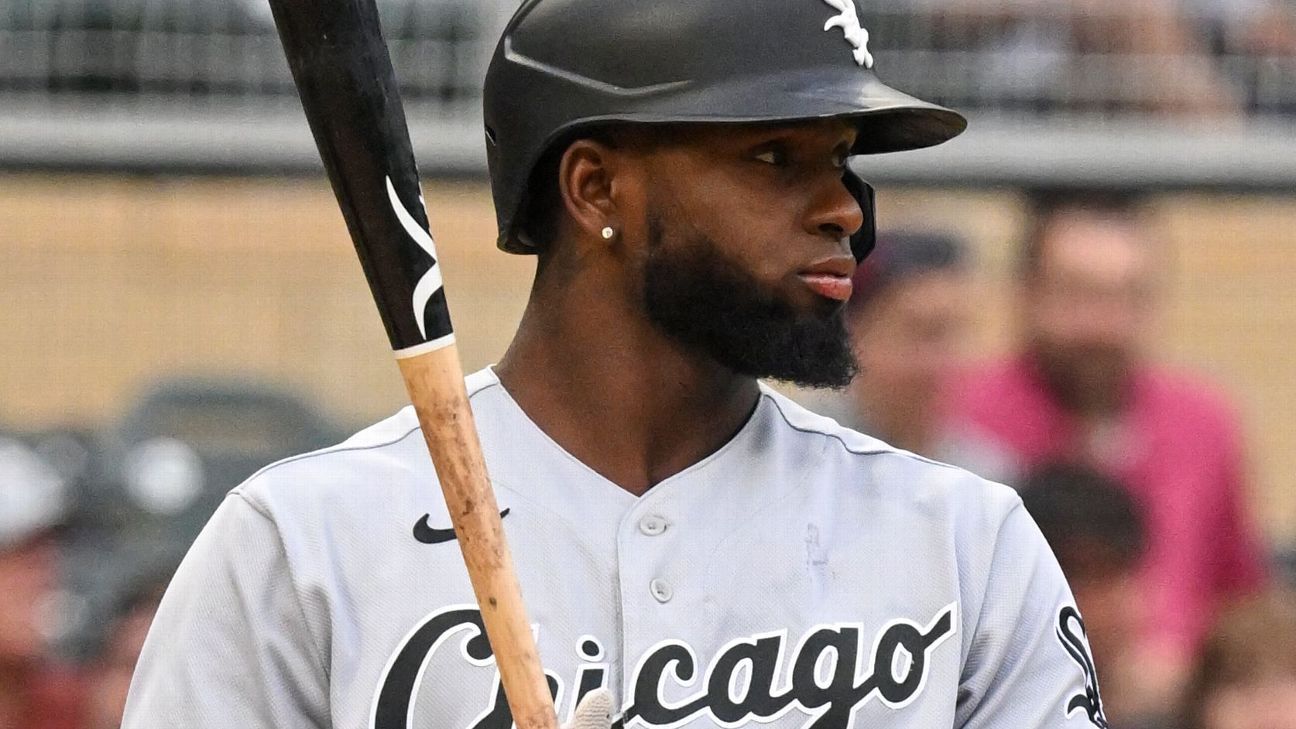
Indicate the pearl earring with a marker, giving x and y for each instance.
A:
(608, 232)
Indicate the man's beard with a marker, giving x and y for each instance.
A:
(710, 303)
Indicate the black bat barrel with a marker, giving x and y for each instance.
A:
(344, 75)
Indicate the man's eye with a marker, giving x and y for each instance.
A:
(774, 157)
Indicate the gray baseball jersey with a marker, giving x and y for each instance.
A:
(804, 575)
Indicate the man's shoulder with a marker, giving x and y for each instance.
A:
(386, 455)
(860, 463)
(381, 456)
(816, 425)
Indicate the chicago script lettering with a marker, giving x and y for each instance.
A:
(898, 671)
(827, 676)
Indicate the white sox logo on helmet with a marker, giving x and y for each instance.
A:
(848, 20)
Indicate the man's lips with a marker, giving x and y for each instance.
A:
(829, 286)
(830, 278)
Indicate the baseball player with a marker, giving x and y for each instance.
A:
(696, 550)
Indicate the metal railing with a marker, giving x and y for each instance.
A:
(188, 49)
(203, 83)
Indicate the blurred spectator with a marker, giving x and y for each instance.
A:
(110, 523)
(1246, 678)
(907, 319)
(1262, 27)
(1286, 564)
(77, 455)
(1083, 390)
(164, 469)
(185, 443)
(112, 673)
(1255, 45)
(34, 693)
(1097, 533)
(1144, 54)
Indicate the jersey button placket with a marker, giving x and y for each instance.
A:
(661, 590)
(653, 525)
(648, 540)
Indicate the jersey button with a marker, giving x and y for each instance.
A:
(653, 525)
(661, 591)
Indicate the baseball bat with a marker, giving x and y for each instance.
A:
(344, 75)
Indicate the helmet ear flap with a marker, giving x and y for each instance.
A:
(864, 239)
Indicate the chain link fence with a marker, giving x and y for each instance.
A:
(190, 50)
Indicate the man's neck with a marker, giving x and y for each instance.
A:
(629, 402)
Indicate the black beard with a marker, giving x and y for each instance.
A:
(711, 304)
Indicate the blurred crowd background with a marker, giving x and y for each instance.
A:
(1088, 297)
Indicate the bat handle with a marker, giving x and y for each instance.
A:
(436, 387)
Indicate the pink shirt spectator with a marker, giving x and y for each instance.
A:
(1180, 451)
(47, 699)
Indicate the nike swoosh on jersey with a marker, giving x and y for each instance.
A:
(428, 534)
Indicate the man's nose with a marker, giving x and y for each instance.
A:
(836, 213)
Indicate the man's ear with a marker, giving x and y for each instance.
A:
(587, 186)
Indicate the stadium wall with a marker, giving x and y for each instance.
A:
(109, 283)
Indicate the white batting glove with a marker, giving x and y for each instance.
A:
(593, 712)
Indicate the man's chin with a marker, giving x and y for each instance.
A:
(811, 306)
(814, 353)
(809, 381)
(713, 305)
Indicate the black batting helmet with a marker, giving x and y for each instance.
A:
(565, 65)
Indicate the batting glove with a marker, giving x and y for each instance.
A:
(594, 711)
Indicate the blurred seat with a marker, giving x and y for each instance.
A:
(185, 443)
(79, 457)
(166, 466)
(38, 501)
